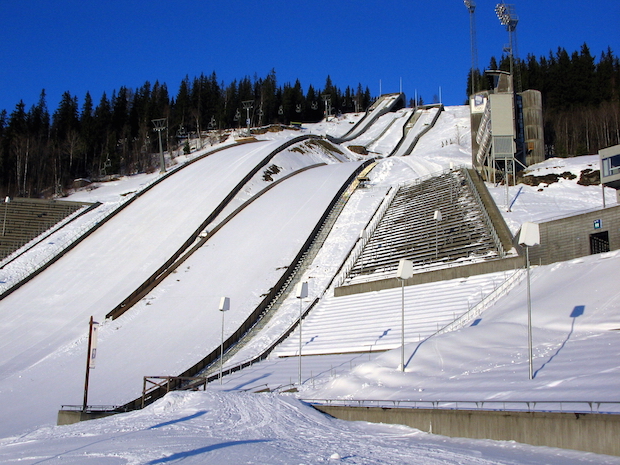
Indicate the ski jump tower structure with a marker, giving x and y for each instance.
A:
(507, 125)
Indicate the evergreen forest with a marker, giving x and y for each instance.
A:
(43, 152)
(581, 97)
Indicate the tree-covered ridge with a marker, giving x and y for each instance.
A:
(581, 97)
(41, 154)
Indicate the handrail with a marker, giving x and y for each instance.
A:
(485, 214)
(365, 236)
(526, 405)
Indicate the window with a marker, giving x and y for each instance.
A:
(611, 166)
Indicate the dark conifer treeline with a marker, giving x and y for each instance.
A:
(581, 98)
(42, 153)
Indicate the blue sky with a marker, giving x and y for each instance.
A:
(80, 46)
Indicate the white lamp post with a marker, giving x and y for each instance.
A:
(224, 306)
(437, 217)
(405, 271)
(7, 200)
(528, 237)
(301, 292)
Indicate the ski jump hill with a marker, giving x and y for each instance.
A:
(249, 221)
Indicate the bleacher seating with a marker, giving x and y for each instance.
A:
(408, 229)
(24, 219)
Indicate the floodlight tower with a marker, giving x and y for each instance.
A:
(507, 17)
(471, 6)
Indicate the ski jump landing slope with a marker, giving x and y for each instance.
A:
(99, 273)
(385, 104)
(178, 323)
(423, 123)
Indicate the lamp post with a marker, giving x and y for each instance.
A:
(437, 217)
(301, 292)
(528, 237)
(7, 200)
(160, 124)
(405, 271)
(224, 306)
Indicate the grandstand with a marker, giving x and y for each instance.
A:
(462, 232)
(24, 219)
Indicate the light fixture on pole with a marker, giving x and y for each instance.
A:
(405, 271)
(224, 307)
(528, 237)
(508, 18)
(471, 7)
(7, 200)
(161, 124)
(437, 217)
(301, 292)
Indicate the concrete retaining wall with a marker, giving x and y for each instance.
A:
(597, 433)
(68, 417)
(443, 274)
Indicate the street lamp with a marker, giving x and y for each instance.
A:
(528, 237)
(437, 217)
(405, 271)
(160, 124)
(224, 306)
(301, 292)
(7, 200)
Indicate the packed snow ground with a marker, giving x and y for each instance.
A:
(480, 362)
(240, 428)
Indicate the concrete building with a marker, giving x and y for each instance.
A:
(610, 168)
(507, 128)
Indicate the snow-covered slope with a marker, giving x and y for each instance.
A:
(575, 307)
(239, 428)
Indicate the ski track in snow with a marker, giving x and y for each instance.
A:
(487, 360)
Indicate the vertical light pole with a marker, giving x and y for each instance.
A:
(405, 271)
(301, 292)
(507, 17)
(437, 217)
(528, 237)
(7, 200)
(247, 106)
(224, 306)
(90, 359)
(160, 124)
(471, 7)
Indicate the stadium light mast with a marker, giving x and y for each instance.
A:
(508, 18)
(471, 6)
